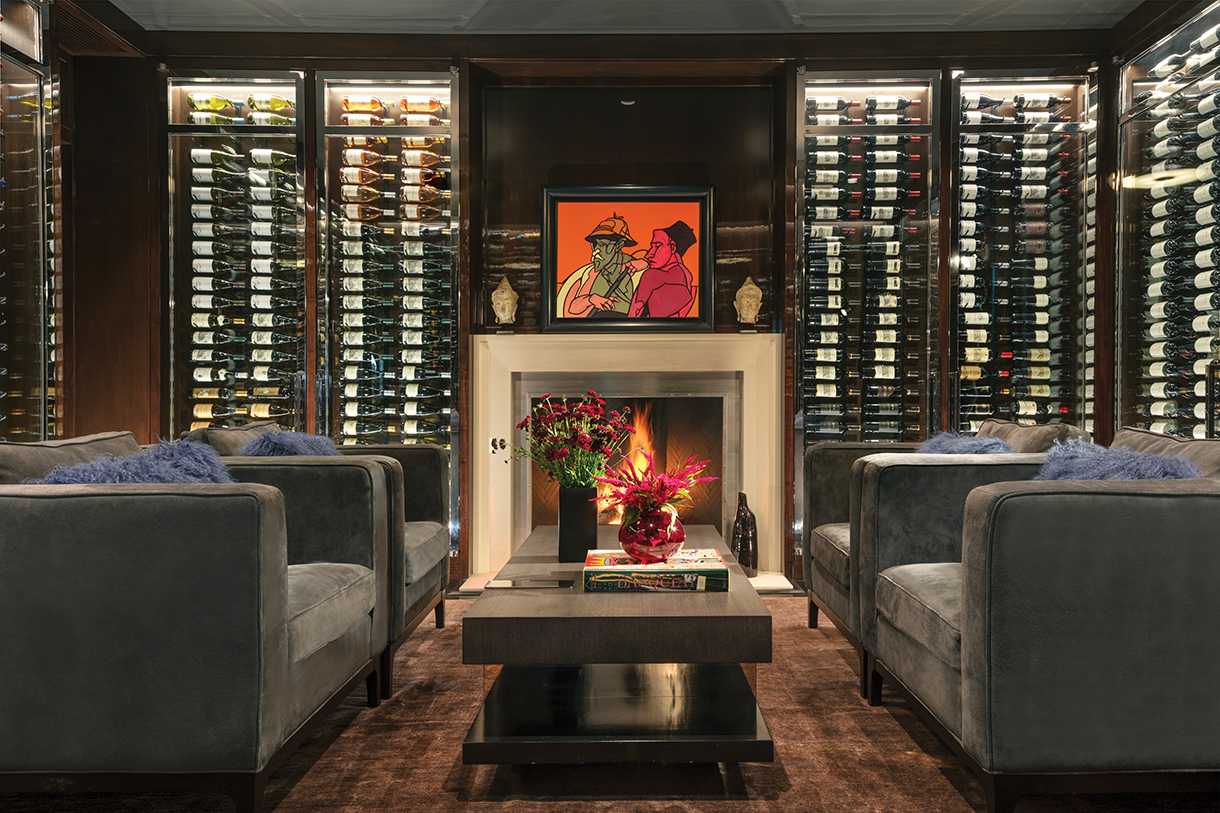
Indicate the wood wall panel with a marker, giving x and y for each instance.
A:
(115, 359)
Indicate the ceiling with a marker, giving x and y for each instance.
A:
(623, 16)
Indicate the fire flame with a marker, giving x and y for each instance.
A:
(641, 443)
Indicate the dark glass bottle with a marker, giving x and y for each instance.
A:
(745, 537)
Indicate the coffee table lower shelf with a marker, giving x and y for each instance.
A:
(668, 713)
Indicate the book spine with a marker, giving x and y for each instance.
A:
(629, 581)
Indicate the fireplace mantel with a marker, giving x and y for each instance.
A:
(499, 360)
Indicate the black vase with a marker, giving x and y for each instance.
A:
(577, 523)
(744, 544)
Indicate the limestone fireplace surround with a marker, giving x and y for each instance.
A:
(500, 362)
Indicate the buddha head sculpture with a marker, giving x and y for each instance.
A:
(748, 301)
(504, 302)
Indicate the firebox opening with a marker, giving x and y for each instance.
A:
(671, 430)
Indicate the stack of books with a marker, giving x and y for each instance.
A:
(697, 570)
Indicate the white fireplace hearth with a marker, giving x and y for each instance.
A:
(506, 369)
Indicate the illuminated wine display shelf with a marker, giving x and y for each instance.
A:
(1169, 253)
(866, 171)
(391, 258)
(1022, 253)
(238, 253)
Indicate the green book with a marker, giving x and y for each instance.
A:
(696, 570)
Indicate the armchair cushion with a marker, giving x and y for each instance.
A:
(1023, 438)
(20, 462)
(281, 444)
(1077, 460)
(1203, 453)
(953, 443)
(228, 441)
(925, 602)
(325, 599)
(830, 547)
(182, 462)
(426, 546)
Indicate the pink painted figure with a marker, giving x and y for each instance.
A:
(667, 287)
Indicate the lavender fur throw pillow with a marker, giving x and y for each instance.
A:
(1078, 460)
(953, 443)
(282, 444)
(181, 462)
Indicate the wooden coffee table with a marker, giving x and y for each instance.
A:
(615, 677)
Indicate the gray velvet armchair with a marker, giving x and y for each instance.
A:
(183, 638)
(1056, 634)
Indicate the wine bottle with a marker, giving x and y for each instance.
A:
(886, 231)
(827, 193)
(214, 320)
(362, 175)
(896, 140)
(889, 119)
(356, 103)
(272, 194)
(1046, 100)
(421, 193)
(971, 173)
(265, 157)
(421, 120)
(212, 228)
(415, 103)
(831, 157)
(263, 118)
(830, 140)
(830, 176)
(979, 117)
(971, 191)
(830, 119)
(205, 212)
(412, 211)
(980, 101)
(363, 211)
(968, 228)
(266, 355)
(272, 212)
(199, 117)
(890, 102)
(359, 157)
(217, 175)
(1039, 117)
(829, 103)
(970, 209)
(889, 193)
(268, 302)
(884, 212)
(364, 120)
(268, 102)
(420, 158)
(832, 212)
(888, 157)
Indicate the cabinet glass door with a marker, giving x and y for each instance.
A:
(1021, 253)
(24, 387)
(237, 259)
(1169, 232)
(387, 173)
(867, 166)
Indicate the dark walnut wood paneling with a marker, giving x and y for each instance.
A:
(684, 136)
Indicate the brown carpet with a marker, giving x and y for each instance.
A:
(833, 752)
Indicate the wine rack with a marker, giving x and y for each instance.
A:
(1086, 289)
(26, 333)
(1169, 216)
(1020, 248)
(387, 164)
(237, 251)
(866, 169)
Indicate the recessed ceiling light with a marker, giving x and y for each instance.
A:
(627, 102)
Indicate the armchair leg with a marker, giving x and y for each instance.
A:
(440, 614)
(247, 793)
(372, 684)
(813, 614)
(1001, 793)
(874, 683)
(863, 672)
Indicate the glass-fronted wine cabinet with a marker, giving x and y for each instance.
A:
(237, 250)
(1021, 252)
(1169, 231)
(27, 329)
(386, 176)
(867, 166)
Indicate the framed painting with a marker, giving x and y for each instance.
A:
(637, 258)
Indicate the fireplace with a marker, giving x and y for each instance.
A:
(670, 429)
(742, 372)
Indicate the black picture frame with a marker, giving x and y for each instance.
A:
(568, 211)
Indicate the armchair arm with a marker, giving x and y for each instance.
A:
(337, 510)
(827, 483)
(425, 473)
(907, 509)
(142, 627)
(1091, 625)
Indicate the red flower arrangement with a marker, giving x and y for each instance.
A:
(571, 440)
(641, 491)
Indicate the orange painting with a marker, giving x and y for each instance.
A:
(628, 259)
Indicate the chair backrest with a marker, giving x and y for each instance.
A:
(1203, 453)
(1033, 438)
(32, 461)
